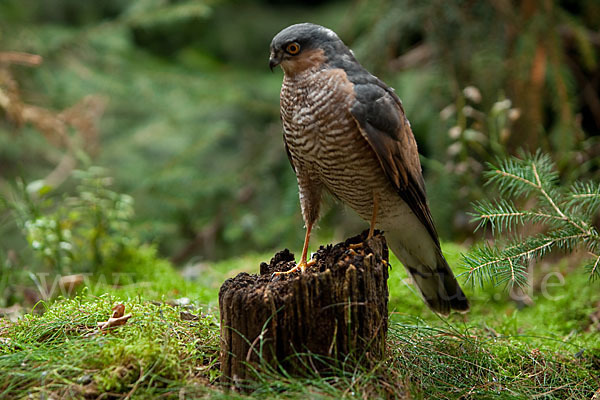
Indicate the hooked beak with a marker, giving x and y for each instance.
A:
(274, 60)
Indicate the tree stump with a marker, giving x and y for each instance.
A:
(337, 310)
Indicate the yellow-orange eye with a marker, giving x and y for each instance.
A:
(293, 48)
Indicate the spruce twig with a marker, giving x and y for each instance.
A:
(566, 214)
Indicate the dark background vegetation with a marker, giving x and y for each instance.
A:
(137, 132)
(175, 100)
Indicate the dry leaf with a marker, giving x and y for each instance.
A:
(118, 318)
(118, 310)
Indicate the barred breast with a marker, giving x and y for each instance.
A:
(325, 143)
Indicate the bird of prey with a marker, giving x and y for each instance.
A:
(345, 131)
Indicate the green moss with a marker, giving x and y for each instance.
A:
(64, 349)
(501, 349)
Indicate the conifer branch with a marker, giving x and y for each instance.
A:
(567, 214)
(550, 201)
(525, 254)
(516, 177)
(594, 269)
(522, 214)
(541, 189)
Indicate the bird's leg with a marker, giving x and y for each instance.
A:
(373, 221)
(303, 264)
(374, 215)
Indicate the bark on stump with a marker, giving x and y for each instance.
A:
(338, 308)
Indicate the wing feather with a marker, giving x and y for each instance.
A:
(380, 117)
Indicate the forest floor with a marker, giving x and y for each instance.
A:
(546, 346)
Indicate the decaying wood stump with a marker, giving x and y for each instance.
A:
(337, 310)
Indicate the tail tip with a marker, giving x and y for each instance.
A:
(460, 305)
(445, 306)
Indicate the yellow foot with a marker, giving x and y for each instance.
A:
(302, 266)
(356, 246)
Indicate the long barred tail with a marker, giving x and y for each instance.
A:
(439, 287)
(430, 273)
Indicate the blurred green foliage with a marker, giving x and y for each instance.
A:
(174, 99)
(532, 65)
(77, 233)
(174, 102)
(565, 215)
(195, 140)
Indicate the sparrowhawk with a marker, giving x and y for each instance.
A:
(345, 131)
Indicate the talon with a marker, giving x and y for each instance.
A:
(302, 266)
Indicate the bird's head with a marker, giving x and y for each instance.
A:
(303, 46)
